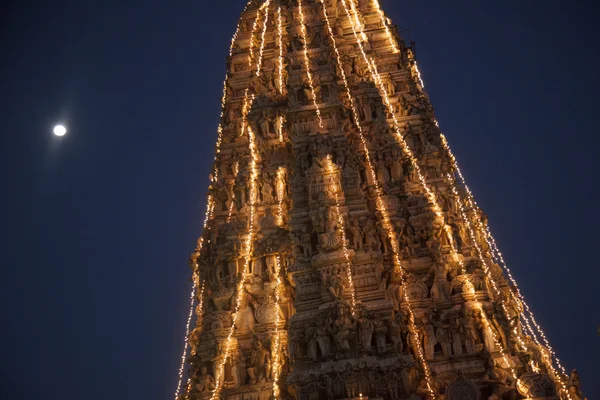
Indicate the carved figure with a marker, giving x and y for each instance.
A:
(205, 381)
(259, 365)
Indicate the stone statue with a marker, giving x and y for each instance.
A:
(322, 335)
(398, 331)
(381, 331)
(429, 337)
(440, 287)
(238, 368)
(343, 329)
(306, 241)
(441, 334)
(206, 382)
(259, 365)
(311, 342)
(357, 236)
(456, 330)
(366, 328)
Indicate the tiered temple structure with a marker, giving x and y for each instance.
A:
(343, 256)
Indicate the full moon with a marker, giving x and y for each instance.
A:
(59, 130)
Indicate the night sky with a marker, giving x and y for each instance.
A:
(98, 225)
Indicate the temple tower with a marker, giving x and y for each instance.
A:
(343, 256)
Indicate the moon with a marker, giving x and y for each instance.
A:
(59, 130)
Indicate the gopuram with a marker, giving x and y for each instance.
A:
(343, 255)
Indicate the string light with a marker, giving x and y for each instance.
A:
(247, 257)
(262, 40)
(498, 256)
(254, 158)
(307, 63)
(383, 20)
(276, 340)
(340, 219)
(254, 26)
(498, 293)
(187, 334)
(357, 21)
(280, 45)
(398, 135)
(236, 169)
(280, 193)
(380, 203)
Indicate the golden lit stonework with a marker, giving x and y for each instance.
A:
(343, 255)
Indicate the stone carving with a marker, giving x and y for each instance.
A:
(259, 363)
(325, 229)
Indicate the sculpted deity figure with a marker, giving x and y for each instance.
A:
(383, 175)
(439, 289)
(332, 239)
(456, 330)
(205, 381)
(306, 240)
(486, 331)
(259, 365)
(429, 337)
(343, 329)
(310, 336)
(357, 236)
(267, 189)
(366, 109)
(394, 163)
(441, 334)
(398, 331)
(469, 332)
(371, 236)
(322, 336)
(238, 368)
(333, 283)
(245, 321)
(381, 331)
(264, 124)
(365, 330)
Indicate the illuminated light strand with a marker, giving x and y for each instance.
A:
(357, 21)
(383, 20)
(219, 375)
(498, 256)
(307, 63)
(207, 215)
(254, 157)
(372, 66)
(187, 334)
(496, 253)
(280, 45)
(342, 227)
(419, 74)
(237, 29)
(499, 294)
(539, 329)
(280, 133)
(281, 171)
(381, 206)
(276, 341)
(236, 169)
(262, 40)
(377, 79)
(497, 342)
(254, 27)
(224, 97)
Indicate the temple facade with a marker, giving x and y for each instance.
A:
(343, 255)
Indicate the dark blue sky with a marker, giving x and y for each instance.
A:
(98, 226)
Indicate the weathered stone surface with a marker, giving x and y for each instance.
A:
(366, 274)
